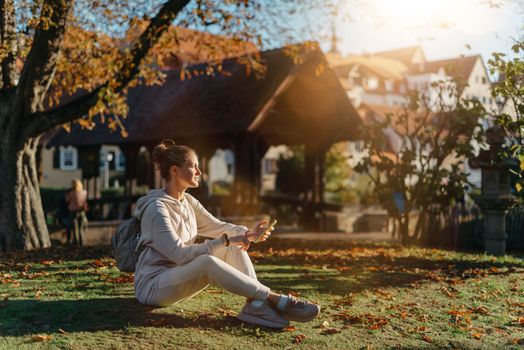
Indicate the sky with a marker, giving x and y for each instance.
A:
(443, 28)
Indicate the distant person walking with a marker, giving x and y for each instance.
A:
(77, 205)
(63, 215)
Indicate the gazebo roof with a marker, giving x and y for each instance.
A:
(291, 103)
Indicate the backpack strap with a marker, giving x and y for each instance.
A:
(140, 247)
(147, 204)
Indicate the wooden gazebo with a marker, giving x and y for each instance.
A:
(290, 104)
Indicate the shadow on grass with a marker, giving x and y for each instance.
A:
(100, 314)
(289, 266)
(327, 267)
(56, 253)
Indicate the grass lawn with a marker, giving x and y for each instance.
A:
(372, 297)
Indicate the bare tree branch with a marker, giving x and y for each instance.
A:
(44, 121)
(8, 40)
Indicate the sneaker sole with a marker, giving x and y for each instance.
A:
(261, 322)
(301, 319)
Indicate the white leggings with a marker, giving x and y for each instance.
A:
(230, 269)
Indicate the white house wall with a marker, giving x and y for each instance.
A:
(477, 88)
(218, 167)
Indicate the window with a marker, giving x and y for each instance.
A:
(56, 158)
(389, 85)
(484, 81)
(372, 83)
(68, 158)
(120, 162)
(359, 146)
(109, 157)
(270, 166)
(112, 160)
(229, 158)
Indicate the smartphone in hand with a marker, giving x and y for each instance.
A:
(265, 230)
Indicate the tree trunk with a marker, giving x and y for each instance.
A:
(22, 220)
(23, 118)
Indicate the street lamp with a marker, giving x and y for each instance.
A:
(107, 160)
(496, 197)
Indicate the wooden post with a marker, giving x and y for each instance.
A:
(89, 162)
(131, 156)
(239, 182)
(153, 173)
(247, 174)
(314, 193)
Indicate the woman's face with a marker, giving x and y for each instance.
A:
(188, 175)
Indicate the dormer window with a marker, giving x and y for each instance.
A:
(372, 83)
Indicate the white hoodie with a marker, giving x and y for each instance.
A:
(169, 227)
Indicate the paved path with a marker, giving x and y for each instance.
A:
(99, 233)
(332, 236)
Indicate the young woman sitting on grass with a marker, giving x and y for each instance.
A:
(173, 268)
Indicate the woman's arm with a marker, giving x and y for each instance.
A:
(209, 226)
(165, 239)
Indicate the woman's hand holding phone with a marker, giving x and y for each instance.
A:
(261, 231)
(240, 241)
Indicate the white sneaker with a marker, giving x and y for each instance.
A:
(263, 315)
(299, 310)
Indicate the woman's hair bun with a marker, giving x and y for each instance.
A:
(160, 150)
(168, 143)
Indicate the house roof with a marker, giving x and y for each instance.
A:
(459, 67)
(404, 55)
(369, 113)
(385, 67)
(289, 104)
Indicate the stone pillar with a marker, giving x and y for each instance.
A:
(495, 198)
(495, 231)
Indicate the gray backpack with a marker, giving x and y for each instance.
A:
(125, 244)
